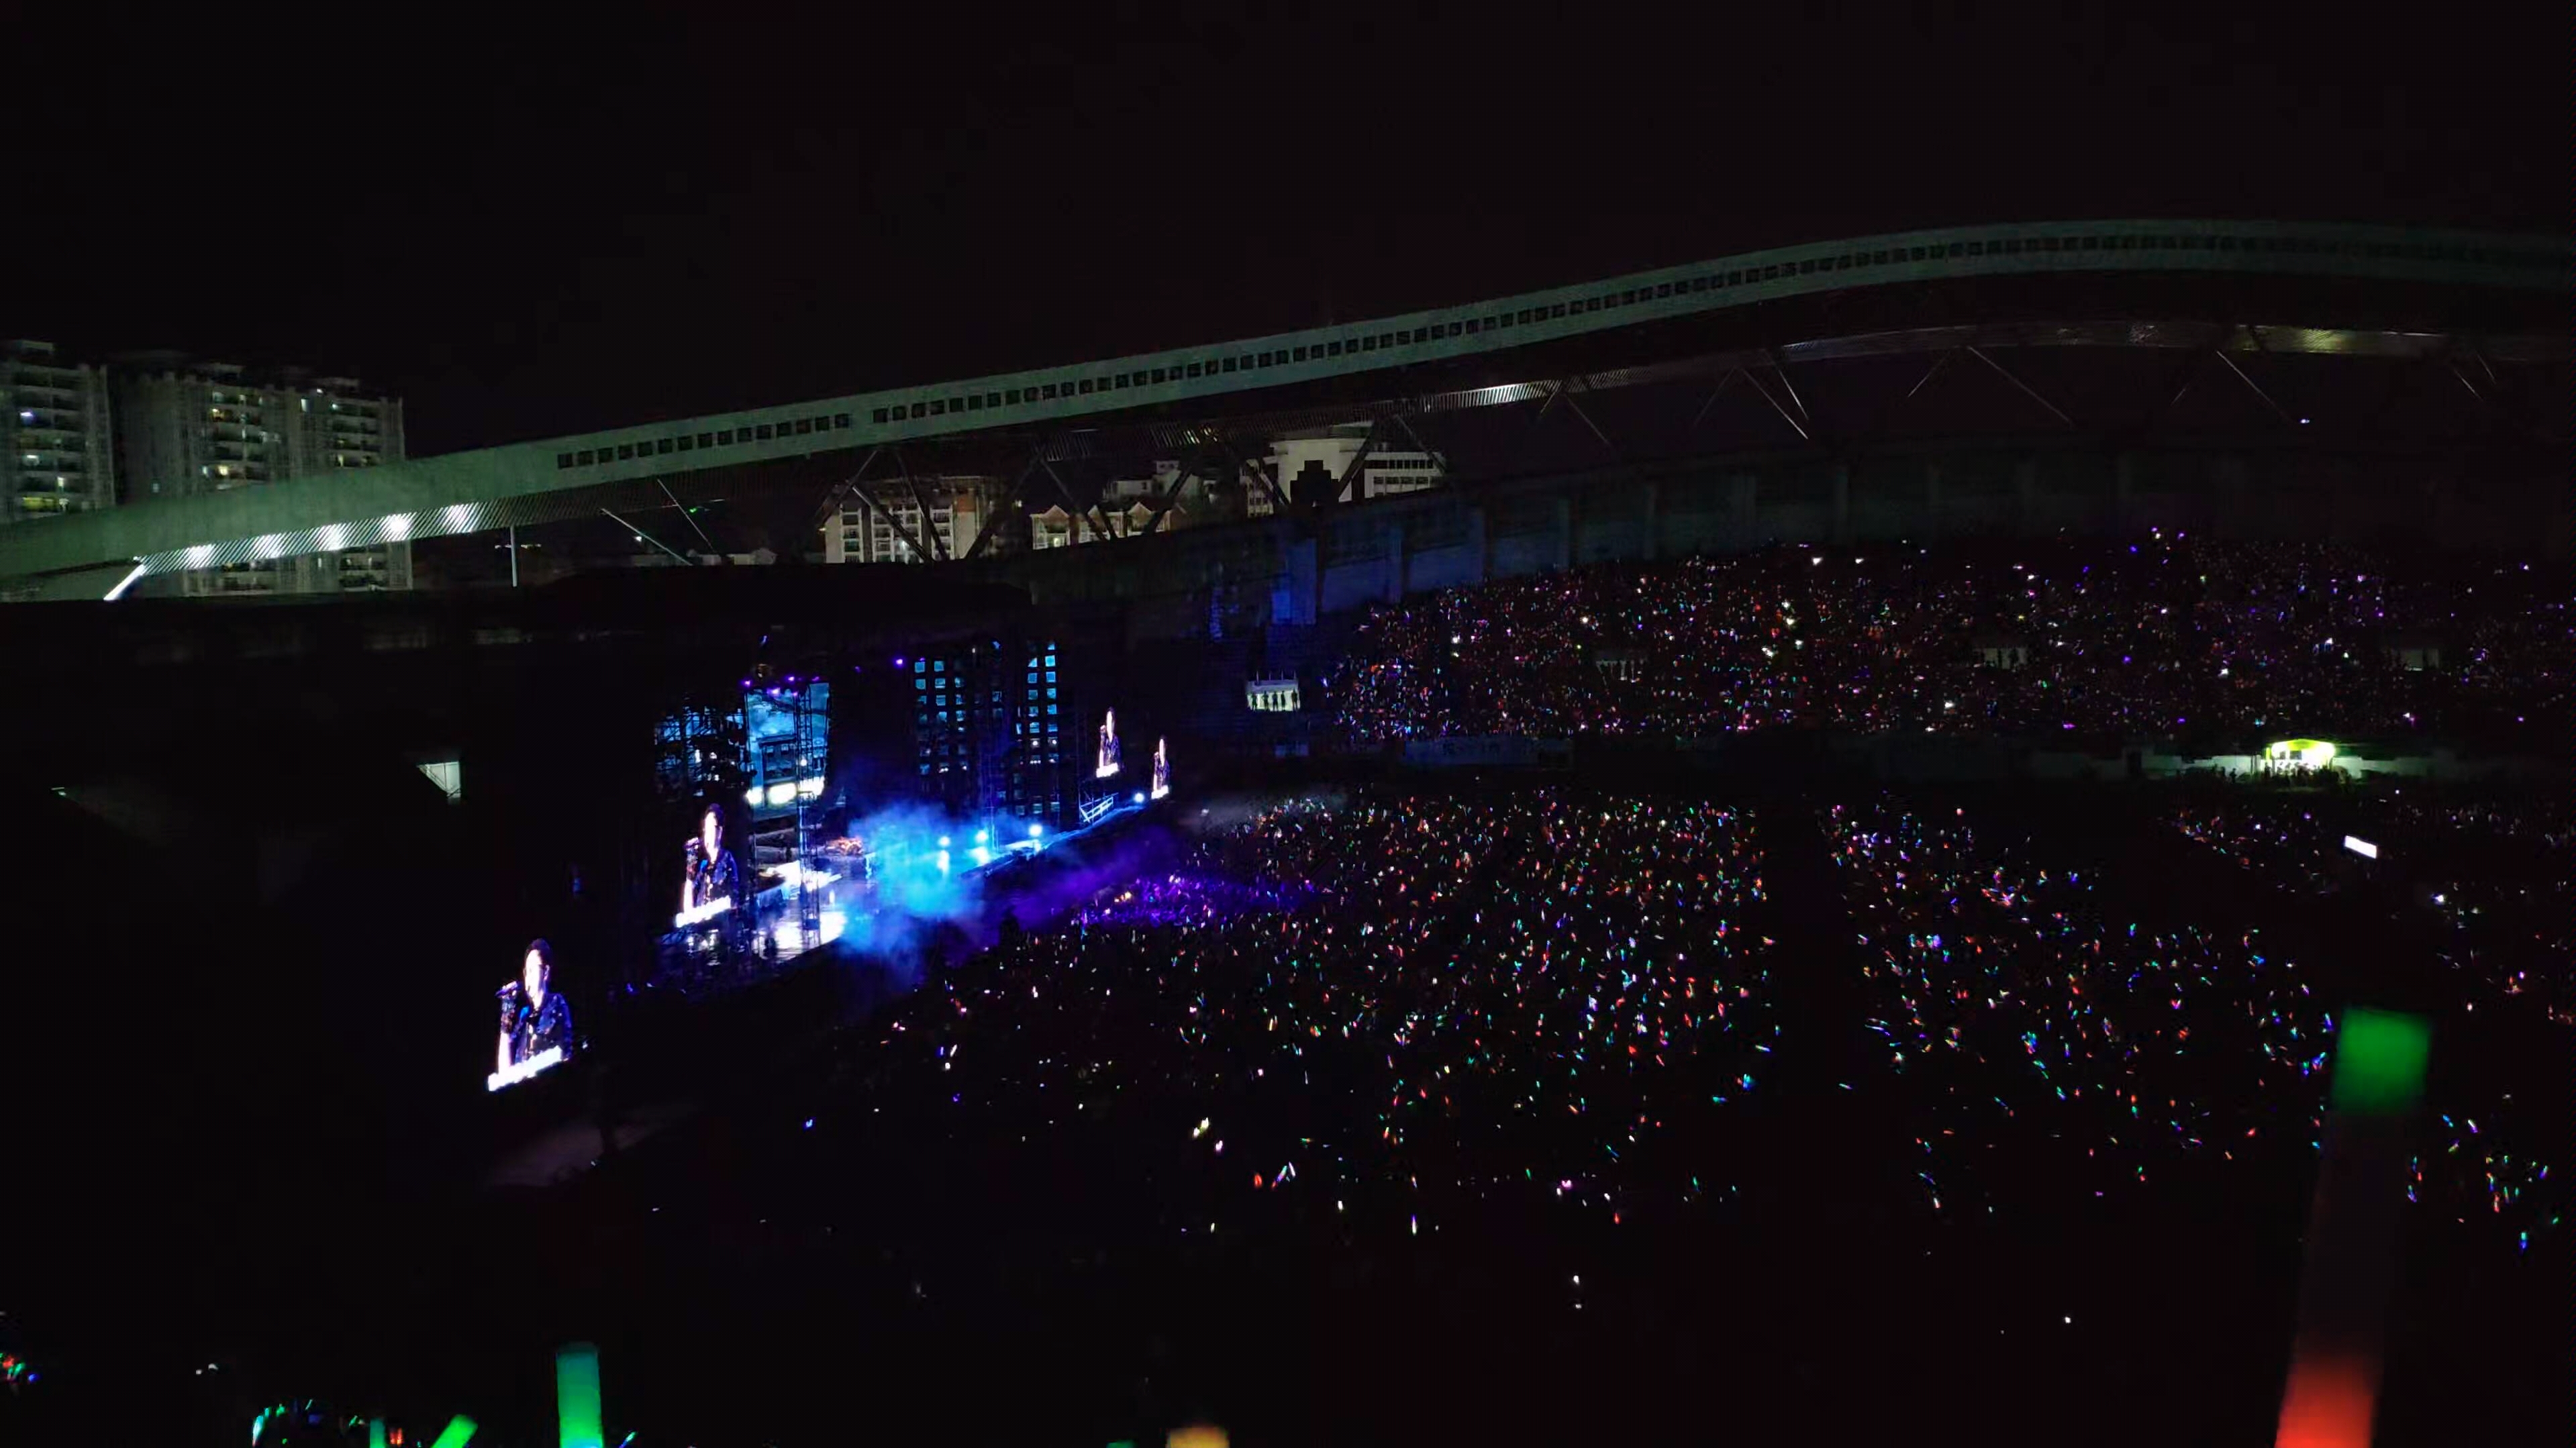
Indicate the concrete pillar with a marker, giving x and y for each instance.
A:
(1842, 502)
(1646, 541)
(1480, 544)
(1742, 499)
(1395, 560)
(1305, 578)
(2026, 494)
(2230, 500)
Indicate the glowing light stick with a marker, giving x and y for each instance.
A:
(577, 1397)
(458, 1432)
(2333, 1388)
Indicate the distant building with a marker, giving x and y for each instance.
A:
(186, 428)
(1128, 510)
(1056, 528)
(61, 454)
(1311, 467)
(887, 526)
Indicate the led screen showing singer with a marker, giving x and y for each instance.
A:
(714, 878)
(536, 1022)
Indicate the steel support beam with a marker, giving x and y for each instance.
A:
(1791, 388)
(1576, 404)
(1406, 426)
(685, 516)
(870, 504)
(1711, 400)
(1352, 474)
(1278, 502)
(2242, 376)
(1090, 510)
(1776, 406)
(1010, 509)
(1163, 501)
(912, 485)
(2025, 388)
(639, 532)
(834, 496)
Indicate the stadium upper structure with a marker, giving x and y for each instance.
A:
(532, 482)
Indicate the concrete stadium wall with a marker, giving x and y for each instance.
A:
(1247, 577)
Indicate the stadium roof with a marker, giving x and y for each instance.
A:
(562, 477)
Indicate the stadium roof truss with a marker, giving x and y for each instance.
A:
(596, 473)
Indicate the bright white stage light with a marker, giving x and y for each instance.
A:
(125, 583)
(2361, 847)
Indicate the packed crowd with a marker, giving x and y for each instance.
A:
(1392, 1006)
(2046, 1028)
(2495, 876)
(2166, 637)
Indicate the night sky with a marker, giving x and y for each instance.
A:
(528, 230)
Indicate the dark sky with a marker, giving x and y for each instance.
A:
(527, 229)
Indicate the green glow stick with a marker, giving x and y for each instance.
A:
(2379, 1062)
(577, 1396)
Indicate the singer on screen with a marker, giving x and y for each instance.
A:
(535, 1018)
(713, 875)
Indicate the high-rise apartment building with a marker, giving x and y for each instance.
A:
(185, 428)
(61, 455)
(887, 526)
